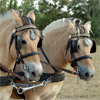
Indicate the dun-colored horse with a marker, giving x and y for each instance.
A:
(19, 38)
(64, 42)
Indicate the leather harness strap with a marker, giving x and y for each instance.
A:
(65, 70)
(6, 80)
(57, 77)
(47, 59)
(20, 96)
(9, 71)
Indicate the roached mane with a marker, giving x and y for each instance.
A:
(59, 24)
(55, 25)
(5, 16)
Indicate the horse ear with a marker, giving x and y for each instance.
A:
(72, 27)
(17, 19)
(77, 22)
(20, 13)
(87, 25)
(31, 15)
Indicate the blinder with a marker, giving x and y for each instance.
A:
(40, 43)
(93, 49)
(74, 45)
(19, 41)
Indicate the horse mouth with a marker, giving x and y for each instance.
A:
(35, 79)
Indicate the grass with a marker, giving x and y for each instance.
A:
(83, 91)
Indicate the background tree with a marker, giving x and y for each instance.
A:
(12, 4)
(87, 10)
(47, 12)
(50, 11)
(26, 6)
(3, 5)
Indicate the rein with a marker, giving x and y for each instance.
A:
(57, 67)
(9, 71)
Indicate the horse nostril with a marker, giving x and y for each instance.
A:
(92, 76)
(33, 73)
(86, 75)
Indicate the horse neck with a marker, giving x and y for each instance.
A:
(6, 30)
(54, 45)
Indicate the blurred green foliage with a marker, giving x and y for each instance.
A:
(47, 12)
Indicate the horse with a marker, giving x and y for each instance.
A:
(19, 39)
(65, 41)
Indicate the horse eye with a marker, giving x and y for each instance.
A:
(78, 47)
(24, 42)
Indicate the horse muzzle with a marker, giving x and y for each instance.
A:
(32, 71)
(85, 73)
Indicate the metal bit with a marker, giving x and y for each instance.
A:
(20, 90)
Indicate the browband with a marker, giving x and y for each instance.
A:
(25, 27)
(80, 35)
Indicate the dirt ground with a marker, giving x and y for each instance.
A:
(83, 91)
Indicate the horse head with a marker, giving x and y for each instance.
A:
(80, 47)
(23, 45)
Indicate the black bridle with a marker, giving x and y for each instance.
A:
(69, 46)
(20, 57)
(6, 80)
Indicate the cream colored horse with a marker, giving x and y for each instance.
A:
(54, 44)
(8, 21)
